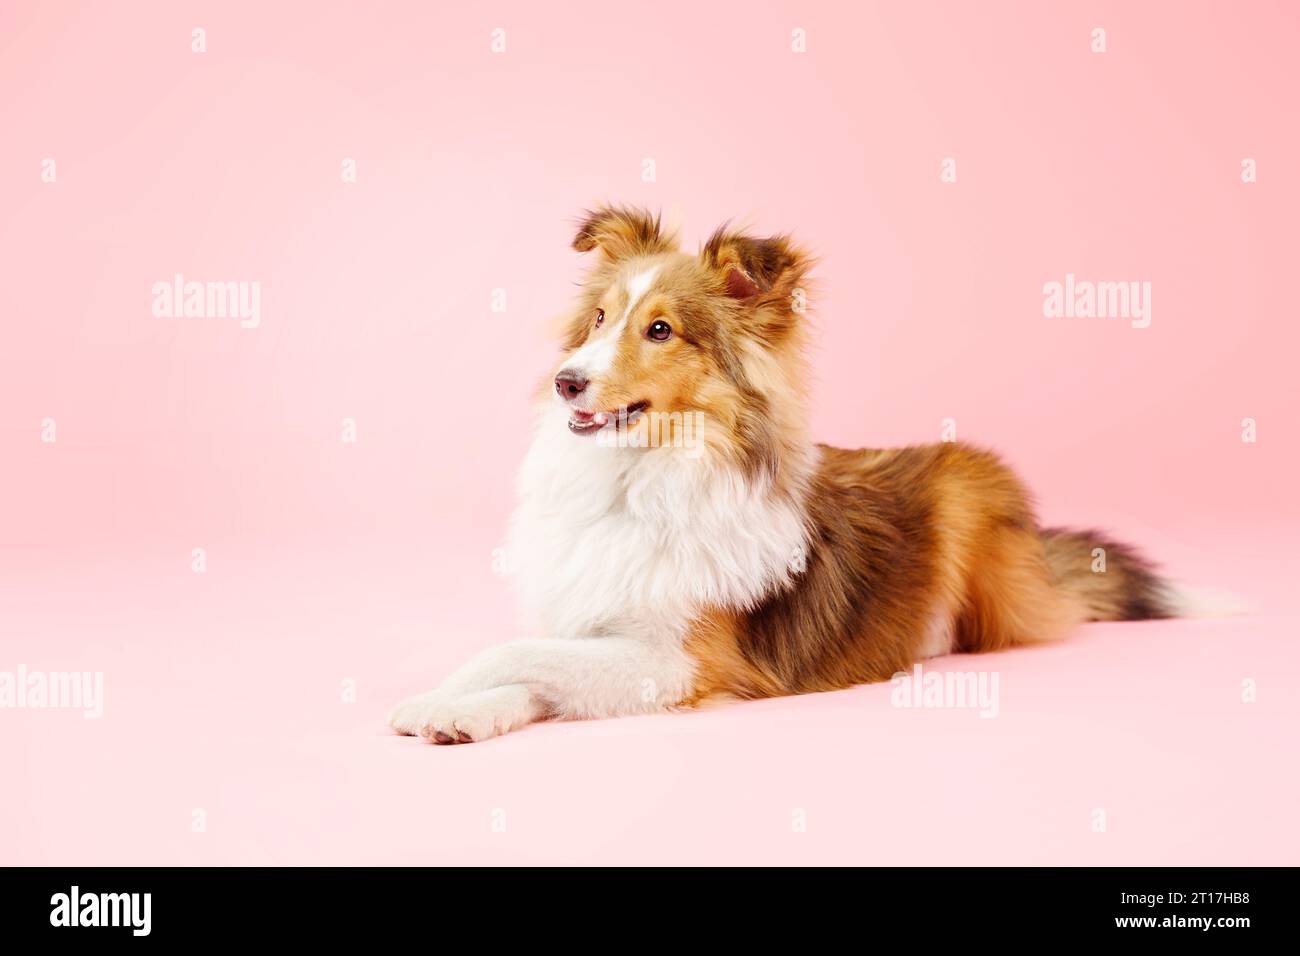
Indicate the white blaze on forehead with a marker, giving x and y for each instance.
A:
(638, 286)
(597, 356)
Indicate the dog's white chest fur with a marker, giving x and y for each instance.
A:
(635, 542)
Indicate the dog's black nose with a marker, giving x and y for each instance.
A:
(570, 384)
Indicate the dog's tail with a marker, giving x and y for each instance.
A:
(1113, 582)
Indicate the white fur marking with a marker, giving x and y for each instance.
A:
(1182, 600)
(637, 287)
(615, 572)
(595, 358)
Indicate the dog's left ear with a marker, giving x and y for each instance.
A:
(765, 275)
(620, 232)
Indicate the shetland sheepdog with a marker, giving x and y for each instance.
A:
(680, 538)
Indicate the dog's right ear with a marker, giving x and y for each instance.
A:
(620, 232)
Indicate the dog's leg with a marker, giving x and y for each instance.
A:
(514, 684)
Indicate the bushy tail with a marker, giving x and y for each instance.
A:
(1114, 583)
(1111, 580)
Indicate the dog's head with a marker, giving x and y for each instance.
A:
(659, 334)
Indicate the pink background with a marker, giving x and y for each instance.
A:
(372, 561)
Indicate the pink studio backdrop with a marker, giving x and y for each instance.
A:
(371, 562)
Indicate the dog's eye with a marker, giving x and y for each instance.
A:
(600, 317)
(659, 331)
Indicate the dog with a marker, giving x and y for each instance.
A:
(680, 538)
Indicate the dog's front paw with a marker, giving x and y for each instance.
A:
(463, 719)
(409, 716)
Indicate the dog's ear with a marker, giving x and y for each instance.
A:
(766, 275)
(622, 231)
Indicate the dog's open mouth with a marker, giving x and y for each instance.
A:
(588, 423)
